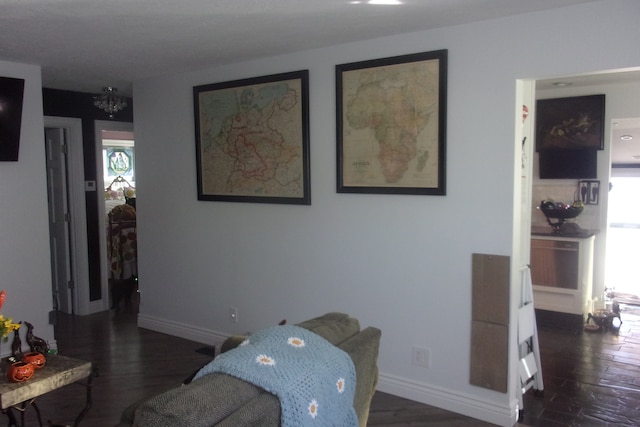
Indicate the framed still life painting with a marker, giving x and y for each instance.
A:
(572, 123)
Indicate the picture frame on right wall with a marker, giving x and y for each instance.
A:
(589, 192)
(573, 123)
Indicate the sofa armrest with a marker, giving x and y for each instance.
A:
(203, 402)
(127, 416)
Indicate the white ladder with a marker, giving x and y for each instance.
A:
(529, 368)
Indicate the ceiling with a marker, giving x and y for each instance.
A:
(83, 45)
(623, 150)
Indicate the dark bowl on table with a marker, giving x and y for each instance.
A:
(552, 211)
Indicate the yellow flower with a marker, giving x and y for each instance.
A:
(7, 326)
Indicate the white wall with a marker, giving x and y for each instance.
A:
(24, 230)
(402, 263)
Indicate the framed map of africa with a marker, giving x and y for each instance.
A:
(252, 139)
(391, 124)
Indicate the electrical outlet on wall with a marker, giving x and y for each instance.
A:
(233, 314)
(421, 356)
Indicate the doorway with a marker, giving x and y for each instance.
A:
(623, 236)
(115, 160)
(66, 187)
(623, 225)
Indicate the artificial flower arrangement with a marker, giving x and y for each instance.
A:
(6, 323)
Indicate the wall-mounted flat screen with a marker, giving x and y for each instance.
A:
(11, 94)
(569, 164)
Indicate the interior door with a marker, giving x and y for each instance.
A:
(58, 220)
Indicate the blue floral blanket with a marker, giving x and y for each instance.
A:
(314, 380)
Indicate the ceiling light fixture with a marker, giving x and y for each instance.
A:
(626, 137)
(385, 2)
(110, 101)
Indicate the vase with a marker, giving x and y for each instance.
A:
(20, 371)
(36, 359)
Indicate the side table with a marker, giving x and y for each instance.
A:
(59, 371)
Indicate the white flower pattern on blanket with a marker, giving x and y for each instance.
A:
(314, 380)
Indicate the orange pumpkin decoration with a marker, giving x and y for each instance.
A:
(36, 359)
(20, 372)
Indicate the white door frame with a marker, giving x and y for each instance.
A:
(77, 206)
(101, 125)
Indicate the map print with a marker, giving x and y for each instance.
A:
(390, 126)
(250, 140)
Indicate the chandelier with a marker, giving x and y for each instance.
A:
(109, 101)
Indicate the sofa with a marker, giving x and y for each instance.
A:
(223, 400)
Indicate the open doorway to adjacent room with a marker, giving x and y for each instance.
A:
(117, 180)
(623, 236)
(623, 228)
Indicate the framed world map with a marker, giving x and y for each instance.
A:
(391, 124)
(252, 139)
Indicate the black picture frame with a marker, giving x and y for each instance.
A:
(252, 139)
(589, 192)
(391, 116)
(11, 100)
(572, 123)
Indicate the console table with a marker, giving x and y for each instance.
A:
(58, 372)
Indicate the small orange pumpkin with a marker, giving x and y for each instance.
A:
(36, 359)
(20, 372)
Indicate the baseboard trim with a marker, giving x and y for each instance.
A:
(182, 330)
(456, 402)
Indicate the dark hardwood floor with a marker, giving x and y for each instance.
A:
(591, 379)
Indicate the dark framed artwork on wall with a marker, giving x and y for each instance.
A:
(11, 99)
(252, 139)
(570, 123)
(391, 117)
